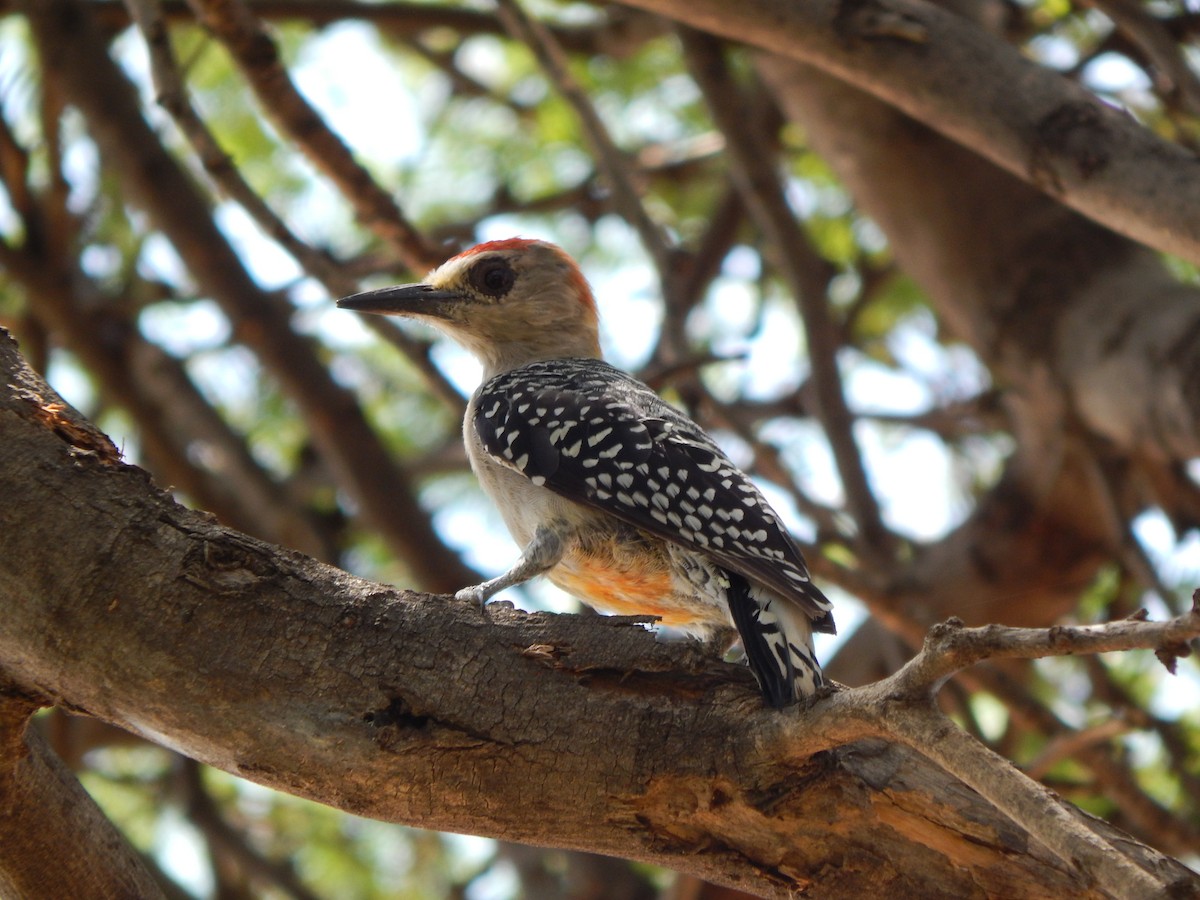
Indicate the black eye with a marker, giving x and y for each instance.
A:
(493, 277)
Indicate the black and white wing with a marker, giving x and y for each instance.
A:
(594, 434)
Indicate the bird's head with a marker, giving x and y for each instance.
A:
(509, 302)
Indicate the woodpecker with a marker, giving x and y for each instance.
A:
(612, 493)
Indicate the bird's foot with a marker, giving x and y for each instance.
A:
(476, 593)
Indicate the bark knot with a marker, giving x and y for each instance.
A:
(228, 564)
(1073, 134)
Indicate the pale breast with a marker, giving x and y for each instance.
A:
(523, 505)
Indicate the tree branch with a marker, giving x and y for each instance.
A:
(805, 272)
(57, 842)
(1060, 828)
(609, 159)
(950, 647)
(1149, 34)
(901, 706)
(229, 848)
(220, 167)
(947, 72)
(619, 33)
(254, 50)
(569, 731)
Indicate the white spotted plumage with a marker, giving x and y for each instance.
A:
(690, 491)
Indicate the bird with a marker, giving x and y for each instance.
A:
(612, 493)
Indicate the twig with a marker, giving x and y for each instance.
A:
(1130, 550)
(1071, 743)
(1173, 737)
(227, 844)
(587, 198)
(950, 647)
(1113, 778)
(1172, 75)
(703, 265)
(768, 461)
(256, 54)
(14, 171)
(173, 97)
(609, 158)
(806, 272)
(461, 84)
(965, 417)
(873, 278)
(620, 32)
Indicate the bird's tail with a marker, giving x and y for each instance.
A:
(777, 637)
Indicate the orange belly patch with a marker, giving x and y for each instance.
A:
(630, 587)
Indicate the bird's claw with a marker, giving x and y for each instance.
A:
(473, 594)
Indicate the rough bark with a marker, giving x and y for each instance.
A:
(416, 710)
(577, 732)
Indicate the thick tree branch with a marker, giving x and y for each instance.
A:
(947, 72)
(416, 709)
(1059, 827)
(57, 842)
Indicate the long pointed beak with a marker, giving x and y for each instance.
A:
(401, 300)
